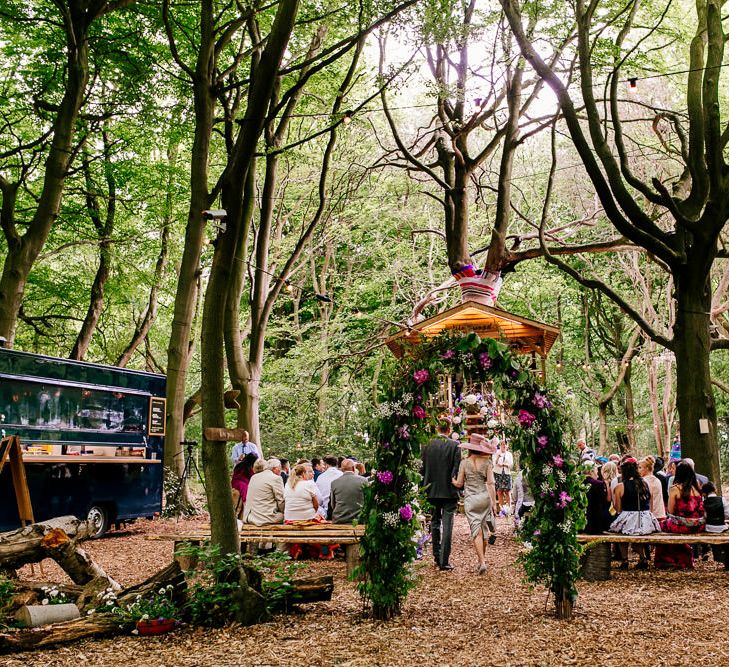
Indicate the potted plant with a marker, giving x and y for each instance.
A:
(153, 615)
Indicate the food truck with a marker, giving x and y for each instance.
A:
(92, 438)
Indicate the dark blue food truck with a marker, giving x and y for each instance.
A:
(92, 439)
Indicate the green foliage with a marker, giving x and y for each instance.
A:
(405, 425)
(278, 570)
(7, 590)
(160, 605)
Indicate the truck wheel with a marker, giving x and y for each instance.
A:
(98, 518)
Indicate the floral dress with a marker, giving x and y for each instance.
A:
(688, 517)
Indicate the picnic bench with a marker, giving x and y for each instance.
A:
(597, 557)
(346, 535)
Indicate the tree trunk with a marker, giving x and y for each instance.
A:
(602, 417)
(629, 411)
(695, 396)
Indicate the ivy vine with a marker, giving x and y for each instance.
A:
(406, 422)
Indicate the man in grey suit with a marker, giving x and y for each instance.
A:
(265, 497)
(345, 500)
(441, 458)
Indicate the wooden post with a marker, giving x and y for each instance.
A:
(351, 555)
(10, 451)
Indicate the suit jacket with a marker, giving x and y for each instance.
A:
(441, 458)
(265, 499)
(346, 498)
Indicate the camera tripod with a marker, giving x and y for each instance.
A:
(190, 465)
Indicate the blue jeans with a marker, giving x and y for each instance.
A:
(442, 528)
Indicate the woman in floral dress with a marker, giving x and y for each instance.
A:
(685, 515)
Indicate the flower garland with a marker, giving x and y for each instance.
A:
(405, 424)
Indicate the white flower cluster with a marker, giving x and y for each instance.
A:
(565, 526)
(386, 409)
(545, 487)
(546, 470)
(51, 595)
(391, 519)
(561, 476)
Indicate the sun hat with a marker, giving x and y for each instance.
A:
(477, 443)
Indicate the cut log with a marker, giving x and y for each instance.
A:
(95, 625)
(24, 545)
(74, 560)
(312, 589)
(35, 615)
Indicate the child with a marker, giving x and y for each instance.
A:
(717, 512)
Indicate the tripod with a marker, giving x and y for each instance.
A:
(190, 464)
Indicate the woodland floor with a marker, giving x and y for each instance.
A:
(452, 618)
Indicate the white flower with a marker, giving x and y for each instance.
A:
(492, 423)
(561, 476)
(161, 591)
(456, 420)
(145, 617)
(470, 399)
(546, 470)
(135, 631)
(54, 592)
(391, 519)
(483, 412)
(44, 601)
(90, 611)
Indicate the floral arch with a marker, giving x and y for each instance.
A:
(536, 431)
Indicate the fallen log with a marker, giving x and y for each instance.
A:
(97, 624)
(24, 545)
(312, 589)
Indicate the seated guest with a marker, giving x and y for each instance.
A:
(301, 495)
(360, 469)
(609, 472)
(265, 499)
(285, 470)
(345, 499)
(716, 512)
(324, 482)
(632, 501)
(598, 507)
(685, 515)
(645, 468)
(662, 477)
(242, 474)
(318, 467)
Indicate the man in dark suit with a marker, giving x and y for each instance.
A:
(441, 458)
(345, 500)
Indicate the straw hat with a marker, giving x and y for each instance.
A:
(477, 443)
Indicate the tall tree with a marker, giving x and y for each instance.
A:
(692, 207)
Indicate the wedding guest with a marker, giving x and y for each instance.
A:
(242, 474)
(716, 512)
(609, 472)
(645, 468)
(475, 476)
(685, 515)
(632, 502)
(440, 458)
(503, 463)
(259, 466)
(316, 464)
(285, 470)
(660, 474)
(523, 501)
(598, 506)
(346, 498)
(301, 495)
(265, 498)
(245, 446)
(324, 482)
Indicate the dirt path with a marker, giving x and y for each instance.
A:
(455, 618)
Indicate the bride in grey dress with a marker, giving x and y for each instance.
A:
(476, 478)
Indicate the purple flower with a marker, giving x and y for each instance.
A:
(421, 376)
(540, 401)
(419, 412)
(404, 432)
(485, 360)
(542, 441)
(537, 532)
(513, 374)
(406, 512)
(385, 445)
(558, 461)
(564, 498)
(448, 354)
(526, 419)
(385, 477)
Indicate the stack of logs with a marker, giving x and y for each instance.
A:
(58, 539)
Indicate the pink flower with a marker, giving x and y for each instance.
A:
(558, 461)
(542, 441)
(421, 376)
(526, 419)
(448, 354)
(406, 512)
(540, 401)
(385, 477)
(419, 412)
(485, 359)
(404, 432)
(564, 498)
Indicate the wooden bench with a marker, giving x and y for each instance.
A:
(597, 557)
(346, 535)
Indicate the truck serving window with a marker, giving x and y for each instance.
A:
(42, 405)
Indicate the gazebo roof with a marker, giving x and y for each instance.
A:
(522, 334)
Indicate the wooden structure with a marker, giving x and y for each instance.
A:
(12, 453)
(523, 335)
(346, 535)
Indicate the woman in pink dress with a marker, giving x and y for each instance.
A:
(685, 515)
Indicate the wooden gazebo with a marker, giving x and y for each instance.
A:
(523, 335)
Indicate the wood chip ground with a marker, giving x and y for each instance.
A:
(452, 618)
